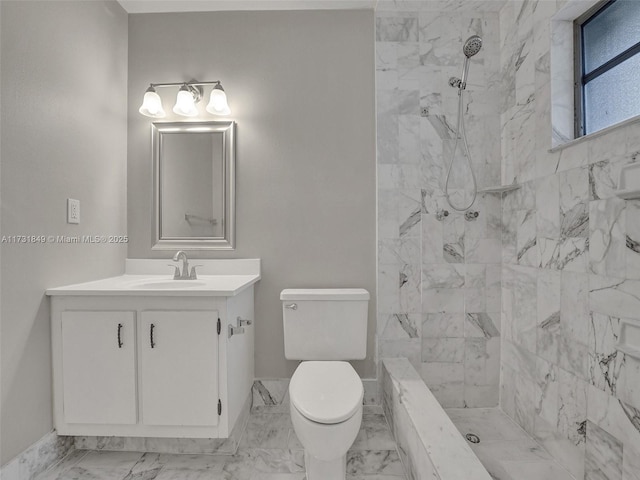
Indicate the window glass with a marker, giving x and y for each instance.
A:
(610, 33)
(607, 65)
(614, 96)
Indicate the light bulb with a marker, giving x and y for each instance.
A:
(218, 102)
(185, 103)
(152, 104)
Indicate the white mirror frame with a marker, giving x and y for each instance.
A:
(227, 241)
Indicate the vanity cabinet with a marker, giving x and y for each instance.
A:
(149, 364)
(177, 351)
(98, 359)
(178, 374)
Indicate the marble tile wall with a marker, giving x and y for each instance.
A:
(438, 278)
(571, 266)
(429, 444)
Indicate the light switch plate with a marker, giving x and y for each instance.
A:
(73, 210)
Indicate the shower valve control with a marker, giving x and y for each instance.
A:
(455, 82)
(441, 214)
(471, 216)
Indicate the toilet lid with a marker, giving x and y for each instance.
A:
(326, 391)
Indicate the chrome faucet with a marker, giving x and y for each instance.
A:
(181, 255)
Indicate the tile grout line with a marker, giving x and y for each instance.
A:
(395, 441)
(55, 465)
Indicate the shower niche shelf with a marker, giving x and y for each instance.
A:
(500, 189)
(628, 194)
(629, 181)
(629, 339)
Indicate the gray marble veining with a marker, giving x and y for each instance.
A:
(416, 53)
(573, 270)
(269, 451)
(49, 450)
(481, 324)
(603, 454)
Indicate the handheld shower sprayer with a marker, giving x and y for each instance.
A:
(471, 47)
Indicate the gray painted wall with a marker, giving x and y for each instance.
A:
(63, 113)
(301, 87)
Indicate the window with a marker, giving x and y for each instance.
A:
(607, 65)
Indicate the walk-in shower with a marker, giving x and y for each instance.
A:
(471, 47)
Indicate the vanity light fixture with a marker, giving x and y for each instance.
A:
(218, 102)
(189, 94)
(152, 104)
(186, 101)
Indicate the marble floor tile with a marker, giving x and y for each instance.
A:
(374, 462)
(519, 450)
(374, 434)
(104, 466)
(278, 476)
(86, 473)
(278, 461)
(505, 450)
(491, 423)
(269, 450)
(110, 460)
(268, 430)
(191, 462)
(58, 471)
(198, 475)
(536, 471)
(375, 477)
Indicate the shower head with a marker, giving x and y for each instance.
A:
(472, 46)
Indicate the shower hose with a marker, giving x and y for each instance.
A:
(461, 134)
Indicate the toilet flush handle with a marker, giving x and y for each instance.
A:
(292, 306)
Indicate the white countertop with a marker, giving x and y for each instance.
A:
(148, 278)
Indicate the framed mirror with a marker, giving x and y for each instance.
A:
(193, 185)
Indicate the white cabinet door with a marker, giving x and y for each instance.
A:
(179, 367)
(99, 369)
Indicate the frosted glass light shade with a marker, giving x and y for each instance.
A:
(152, 104)
(218, 102)
(185, 104)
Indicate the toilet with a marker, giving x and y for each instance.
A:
(324, 328)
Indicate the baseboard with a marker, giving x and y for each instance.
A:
(40, 456)
(271, 395)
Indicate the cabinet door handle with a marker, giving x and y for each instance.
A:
(119, 336)
(153, 344)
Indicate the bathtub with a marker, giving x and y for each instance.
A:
(429, 444)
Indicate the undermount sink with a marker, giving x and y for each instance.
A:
(168, 284)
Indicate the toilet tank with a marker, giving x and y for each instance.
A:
(325, 324)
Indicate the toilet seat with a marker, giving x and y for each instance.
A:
(326, 391)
